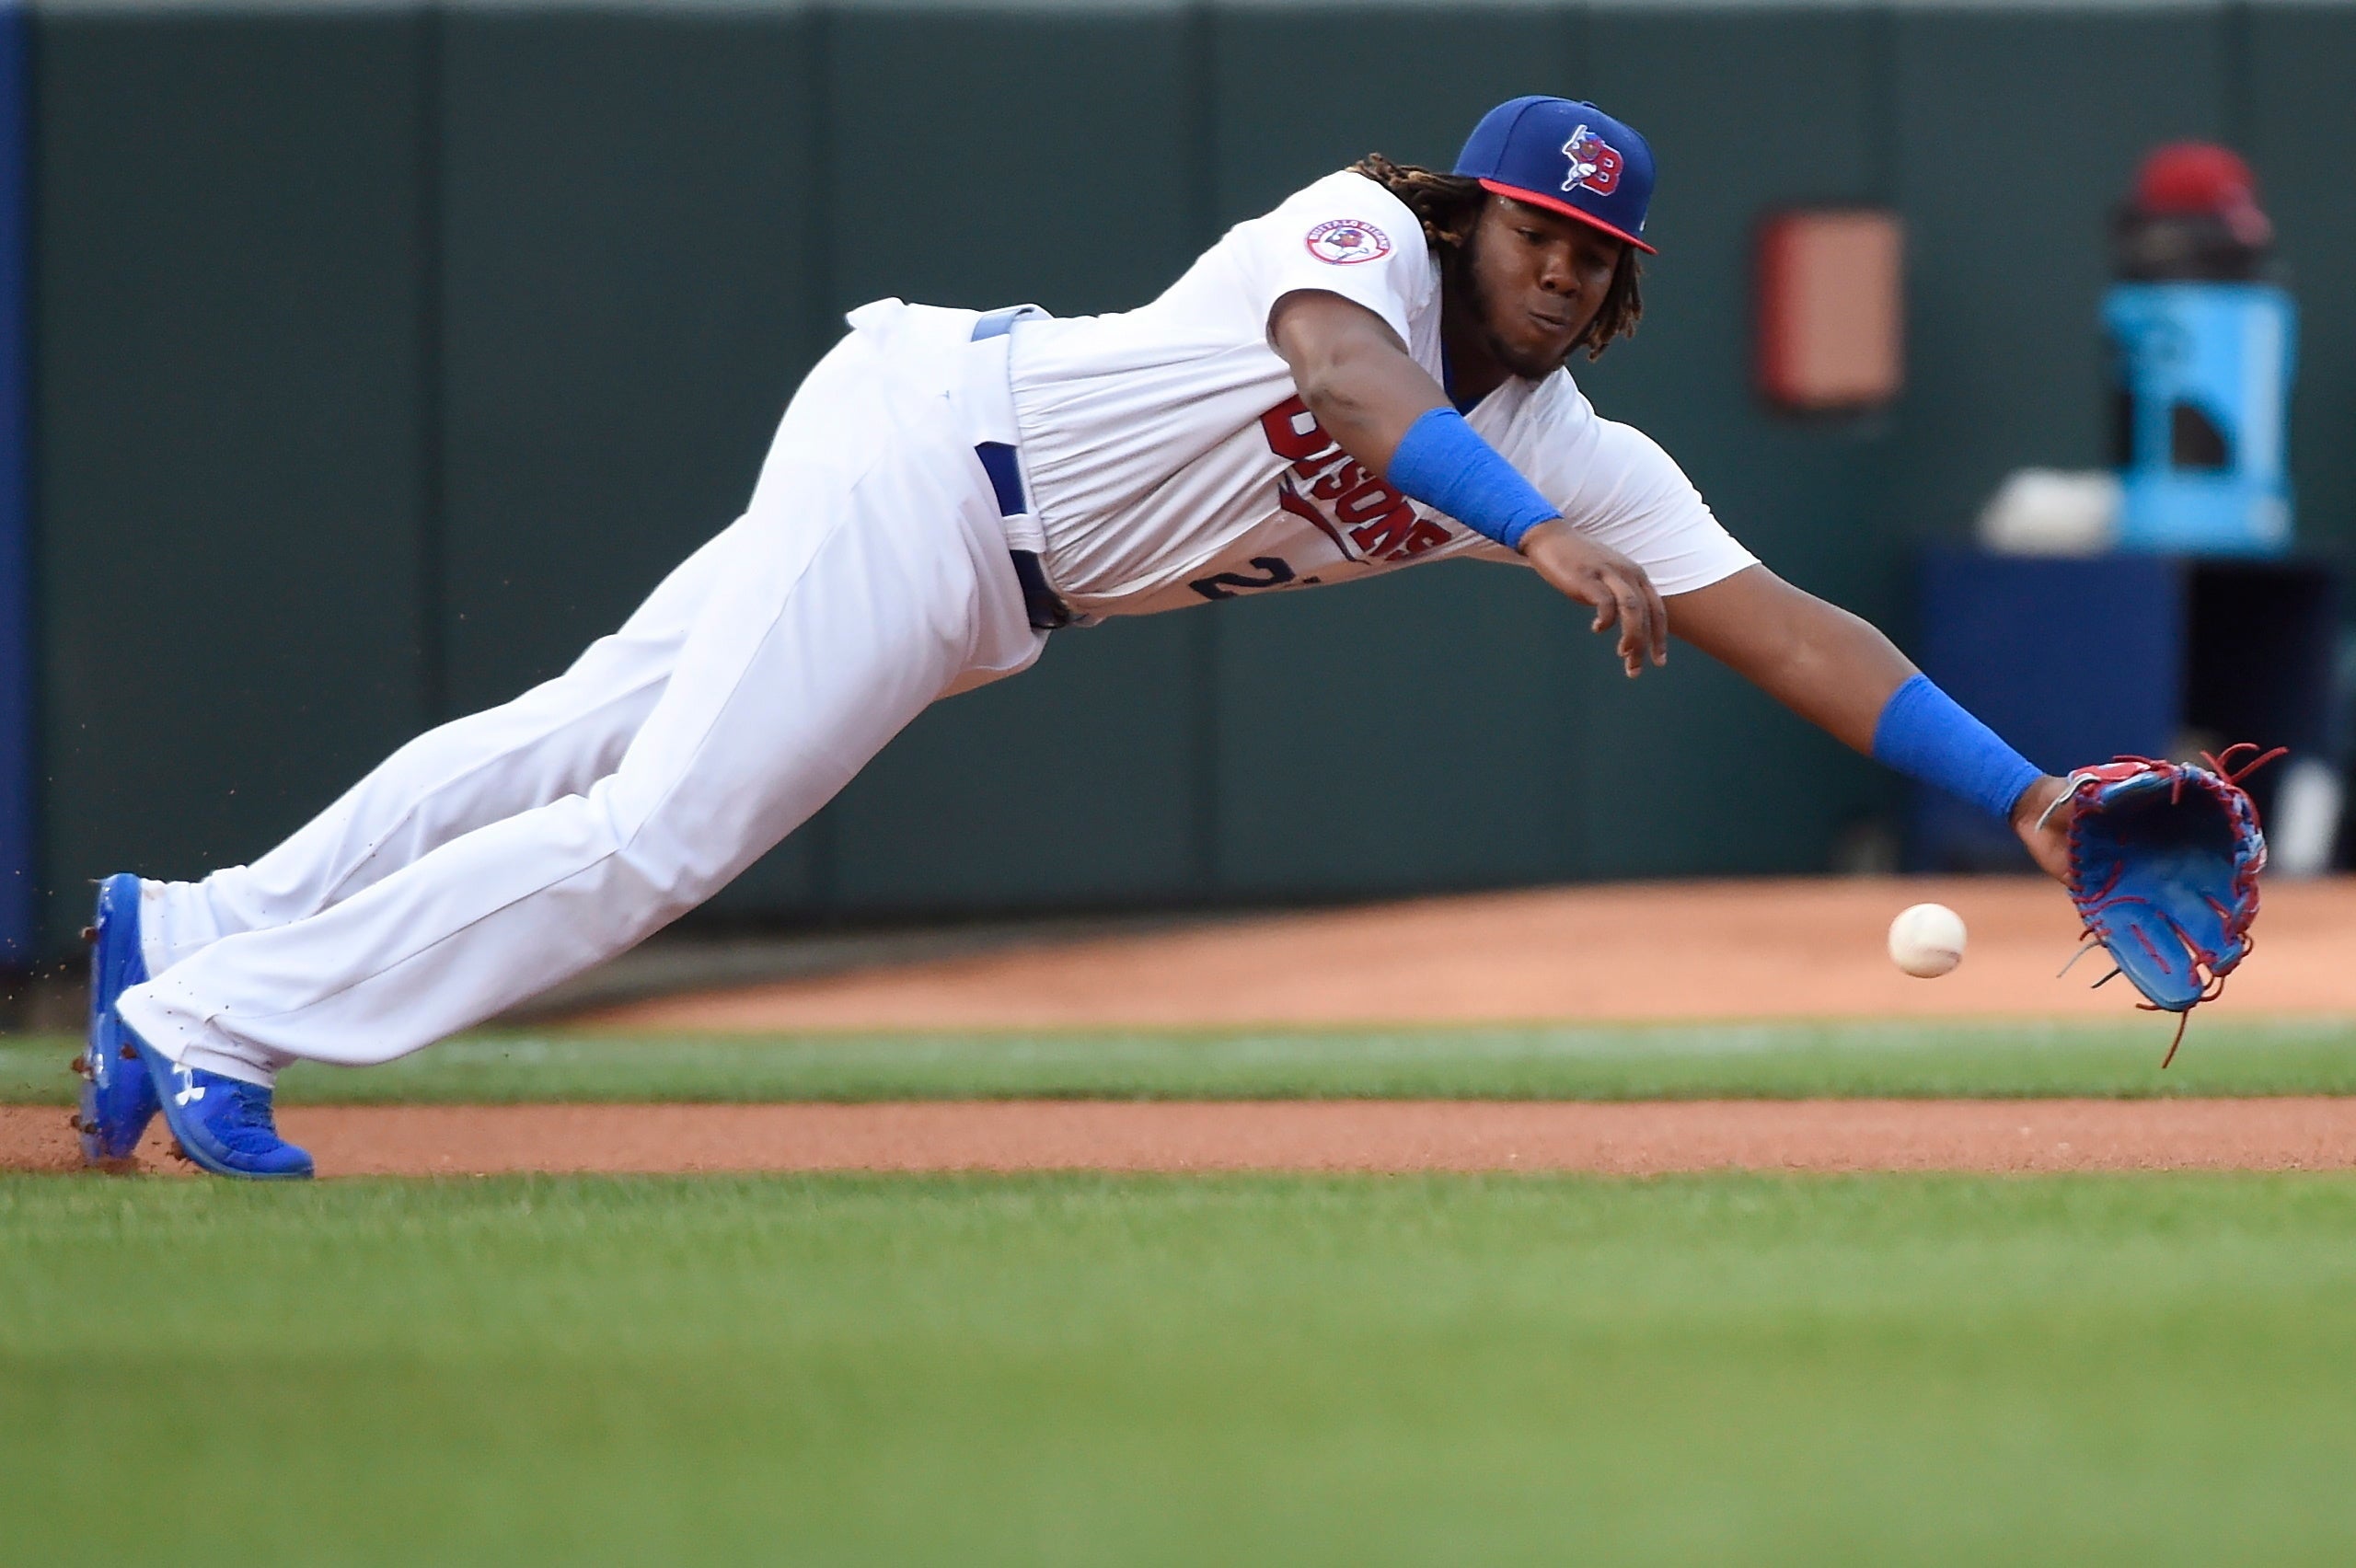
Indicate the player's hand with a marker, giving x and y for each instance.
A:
(1598, 575)
(2048, 838)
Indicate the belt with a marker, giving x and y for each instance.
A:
(1047, 610)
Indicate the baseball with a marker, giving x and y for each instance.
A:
(1926, 940)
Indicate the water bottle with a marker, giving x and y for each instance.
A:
(2204, 348)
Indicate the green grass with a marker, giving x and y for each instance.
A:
(2222, 1056)
(1730, 1371)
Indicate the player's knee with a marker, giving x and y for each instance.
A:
(669, 883)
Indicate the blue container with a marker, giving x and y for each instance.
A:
(2204, 380)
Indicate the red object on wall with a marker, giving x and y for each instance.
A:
(1831, 307)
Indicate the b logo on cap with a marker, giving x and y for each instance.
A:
(1594, 164)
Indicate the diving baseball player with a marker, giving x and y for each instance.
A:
(1372, 376)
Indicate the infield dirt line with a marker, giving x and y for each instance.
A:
(1738, 951)
(1627, 1139)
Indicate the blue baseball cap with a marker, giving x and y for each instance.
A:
(1567, 157)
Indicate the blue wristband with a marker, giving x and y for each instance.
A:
(1443, 462)
(1926, 734)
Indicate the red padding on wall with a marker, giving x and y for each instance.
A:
(1832, 292)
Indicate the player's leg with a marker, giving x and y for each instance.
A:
(555, 740)
(880, 591)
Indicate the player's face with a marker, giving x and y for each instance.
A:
(1538, 278)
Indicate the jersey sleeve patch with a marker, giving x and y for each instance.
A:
(1343, 241)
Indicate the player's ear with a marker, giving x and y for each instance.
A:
(1624, 302)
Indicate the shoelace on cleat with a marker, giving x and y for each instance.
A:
(250, 1116)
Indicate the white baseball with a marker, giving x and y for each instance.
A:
(1926, 940)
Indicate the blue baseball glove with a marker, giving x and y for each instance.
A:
(2164, 863)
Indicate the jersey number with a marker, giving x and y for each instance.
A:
(1227, 584)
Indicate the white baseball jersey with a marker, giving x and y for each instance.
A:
(1171, 461)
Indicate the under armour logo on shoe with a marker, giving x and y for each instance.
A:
(190, 1089)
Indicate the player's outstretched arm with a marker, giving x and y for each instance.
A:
(1839, 672)
(1351, 369)
(1384, 409)
(1832, 668)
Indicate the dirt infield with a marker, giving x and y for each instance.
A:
(1630, 1139)
(1696, 951)
(1633, 952)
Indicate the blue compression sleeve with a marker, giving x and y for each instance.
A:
(1926, 734)
(1442, 462)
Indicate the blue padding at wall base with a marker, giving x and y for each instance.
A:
(17, 768)
(2071, 661)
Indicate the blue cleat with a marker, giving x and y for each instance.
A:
(118, 1095)
(222, 1123)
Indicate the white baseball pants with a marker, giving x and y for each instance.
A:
(499, 854)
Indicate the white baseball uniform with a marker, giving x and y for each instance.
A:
(1166, 459)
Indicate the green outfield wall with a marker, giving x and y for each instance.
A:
(384, 356)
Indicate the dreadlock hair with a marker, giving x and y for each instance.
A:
(1449, 206)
